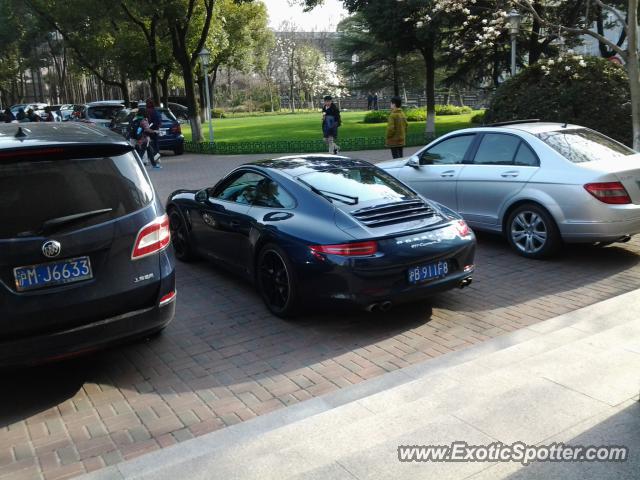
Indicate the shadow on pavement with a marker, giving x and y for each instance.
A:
(620, 429)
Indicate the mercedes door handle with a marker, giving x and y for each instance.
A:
(234, 224)
(509, 174)
(448, 173)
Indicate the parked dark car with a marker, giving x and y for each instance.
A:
(319, 229)
(85, 256)
(171, 137)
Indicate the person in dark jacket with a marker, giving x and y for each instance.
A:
(155, 122)
(330, 123)
(22, 116)
(8, 116)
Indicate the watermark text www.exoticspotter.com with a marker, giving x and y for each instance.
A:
(516, 452)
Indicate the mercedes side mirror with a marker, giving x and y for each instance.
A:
(202, 196)
(414, 161)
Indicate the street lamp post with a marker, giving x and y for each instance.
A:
(204, 58)
(513, 20)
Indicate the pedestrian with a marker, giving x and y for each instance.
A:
(33, 116)
(330, 123)
(375, 101)
(155, 122)
(140, 133)
(369, 101)
(50, 116)
(8, 116)
(22, 116)
(396, 128)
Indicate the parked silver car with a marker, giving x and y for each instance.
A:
(537, 183)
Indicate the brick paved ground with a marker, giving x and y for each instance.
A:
(225, 359)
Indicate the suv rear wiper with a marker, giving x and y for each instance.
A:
(341, 197)
(54, 223)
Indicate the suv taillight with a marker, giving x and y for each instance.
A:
(609, 192)
(176, 129)
(152, 238)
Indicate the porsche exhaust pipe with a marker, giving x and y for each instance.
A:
(379, 307)
(386, 306)
(374, 307)
(465, 282)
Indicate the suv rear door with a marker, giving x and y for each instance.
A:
(54, 183)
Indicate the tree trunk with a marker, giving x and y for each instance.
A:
(396, 77)
(633, 67)
(535, 48)
(430, 87)
(124, 88)
(164, 83)
(192, 101)
(154, 85)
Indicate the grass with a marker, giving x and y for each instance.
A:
(306, 126)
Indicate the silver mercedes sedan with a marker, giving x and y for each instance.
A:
(537, 183)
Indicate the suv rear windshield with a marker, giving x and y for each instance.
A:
(357, 185)
(32, 192)
(103, 112)
(584, 145)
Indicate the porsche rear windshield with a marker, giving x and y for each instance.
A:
(357, 185)
(34, 192)
(584, 145)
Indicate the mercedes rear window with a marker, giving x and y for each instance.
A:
(584, 145)
(34, 192)
(357, 185)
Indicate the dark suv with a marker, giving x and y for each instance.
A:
(85, 254)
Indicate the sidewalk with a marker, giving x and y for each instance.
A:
(572, 379)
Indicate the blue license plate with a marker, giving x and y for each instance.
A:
(429, 271)
(54, 273)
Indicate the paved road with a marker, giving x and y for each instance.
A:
(225, 359)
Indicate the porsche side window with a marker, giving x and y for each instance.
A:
(270, 194)
(447, 152)
(240, 189)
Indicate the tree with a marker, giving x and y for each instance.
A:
(240, 39)
(362, 56)
(92, 31)
(624, 14)
(287, 47)
(144, 17)
(189, 22)
(409, 25)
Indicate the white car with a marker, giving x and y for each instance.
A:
(537, 183)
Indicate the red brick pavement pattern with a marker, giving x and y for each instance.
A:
(225, 359)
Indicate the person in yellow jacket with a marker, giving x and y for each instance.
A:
(396, 128)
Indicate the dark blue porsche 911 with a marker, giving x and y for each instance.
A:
(321, 229)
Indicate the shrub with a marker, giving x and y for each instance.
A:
(376, 116)
(592, 92)
(217, 113)
(416, 114)
(452, 110)
(478, 118)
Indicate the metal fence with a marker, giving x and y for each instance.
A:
(295, 146)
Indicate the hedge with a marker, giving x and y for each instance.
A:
(592, 92)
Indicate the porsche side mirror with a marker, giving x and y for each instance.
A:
(202, 196)
(413, 161)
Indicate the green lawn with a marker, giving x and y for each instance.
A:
(306, 126)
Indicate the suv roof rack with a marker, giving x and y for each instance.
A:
(512, 122)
